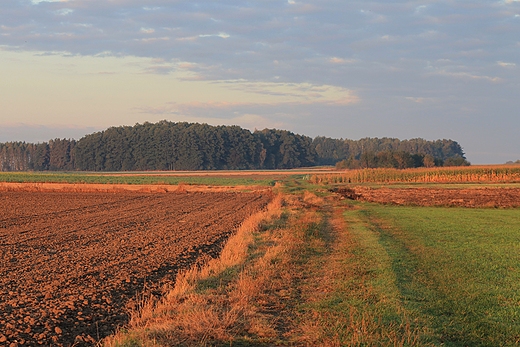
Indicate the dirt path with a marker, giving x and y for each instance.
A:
(72, 263)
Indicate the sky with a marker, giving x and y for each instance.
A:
(335, 68)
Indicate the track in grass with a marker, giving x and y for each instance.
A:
(456, 269)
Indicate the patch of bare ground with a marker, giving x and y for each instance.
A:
(72, 263)
(462, 197)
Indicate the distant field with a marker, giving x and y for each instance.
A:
(488, 196)
(318, 176)
(455, 272)
(472, 174)
(137, 179)
(220, 178)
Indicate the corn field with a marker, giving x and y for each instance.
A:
(484, 174)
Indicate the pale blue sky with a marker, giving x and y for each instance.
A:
(350, 69)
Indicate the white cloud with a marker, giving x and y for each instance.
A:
(336, 60)
(468, 75)
(420, 9)
(221, 35)
(36, 2)
(295, 92)
(504, 64)
(64, 11)
(373, 16)
(147, 30)
(419, 100)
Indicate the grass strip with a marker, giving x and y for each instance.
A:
(351, 297)
(72, 177)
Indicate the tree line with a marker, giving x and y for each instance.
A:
(192, 146)
(55, 155)
(388, 153)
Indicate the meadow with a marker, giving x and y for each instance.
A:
(455, 272)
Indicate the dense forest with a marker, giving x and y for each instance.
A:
(192, 146)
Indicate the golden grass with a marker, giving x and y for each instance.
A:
(472, 174)
(142, 188)
(190, 316)
(312, 199)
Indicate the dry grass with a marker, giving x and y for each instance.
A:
(226, 309)
(312, 199)
(472, 174)
(142, 188)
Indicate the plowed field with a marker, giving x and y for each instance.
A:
(72, 263)
(471, 197)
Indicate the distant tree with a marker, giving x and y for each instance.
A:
(456, 161)
(61, 154)
(429, 160)
(42, 157)
(285, 150)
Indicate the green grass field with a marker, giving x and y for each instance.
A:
(97, 178)
(454, 272)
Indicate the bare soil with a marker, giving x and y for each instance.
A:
(462, 197)
(72, 264)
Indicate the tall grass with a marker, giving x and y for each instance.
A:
(472, 174)
(208, 304)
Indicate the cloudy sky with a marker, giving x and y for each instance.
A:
(336, 68)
